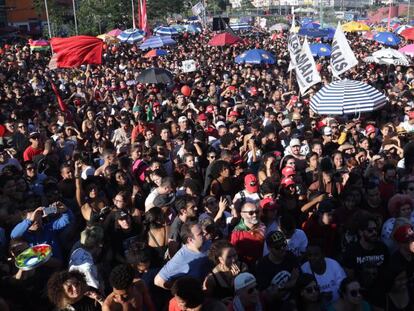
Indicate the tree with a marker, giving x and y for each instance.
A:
(159, 10)
(61, 21)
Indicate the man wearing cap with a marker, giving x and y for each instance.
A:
(35, 147)
(285, 132)
(404, 256)
(249, 193)
(277, 272)
(247, 296)
(328, 144)
(294, 150)
(248, 236)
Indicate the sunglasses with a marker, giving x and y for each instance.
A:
(251, 213)
(312, 289)
(355, 293)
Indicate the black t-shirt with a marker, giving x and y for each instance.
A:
(266, 271)
(85, 304)
(356, 257)
(398, 260)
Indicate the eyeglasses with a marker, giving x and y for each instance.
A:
(251, 213)
(30, 168)
(355, 293)
(312, 289)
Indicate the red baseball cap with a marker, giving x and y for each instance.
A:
(369, 129)
(231, 88)
(202, 117)
(288, 171)
(233, 113)
(268, 204)
(404, 234)
(251, 183)
(287, 181)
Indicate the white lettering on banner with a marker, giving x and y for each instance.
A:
(306, 72)
(342, 56)
(197, 9)
(294, 48)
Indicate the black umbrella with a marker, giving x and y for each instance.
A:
(155, 75)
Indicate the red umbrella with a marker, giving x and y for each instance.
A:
(223, 39)
(408, 34)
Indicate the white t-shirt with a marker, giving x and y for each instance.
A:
(248, 197)
(330, 280)
(297, 243)
(149, 201)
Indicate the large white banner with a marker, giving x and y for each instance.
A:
(294, 49)
(197, 9)
(306, 72)
(342, 56)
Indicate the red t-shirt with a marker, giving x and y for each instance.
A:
(30, 153)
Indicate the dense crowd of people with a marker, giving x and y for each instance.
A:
(235, 197)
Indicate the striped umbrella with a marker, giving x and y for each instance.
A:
(388, 57)
(401, 28)
(240, 26)
(346, 97)
(131, 35)
(165, 31)
(157, 42)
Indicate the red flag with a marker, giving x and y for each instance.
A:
(75, 51)
(142, 14)
(62, 104)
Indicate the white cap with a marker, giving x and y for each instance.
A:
(327, 131)
(294, 142)
(182, 119)
(220, 123)
(244, 280)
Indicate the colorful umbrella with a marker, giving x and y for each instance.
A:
(131, 35)
(223, 39)
(155, 75)
(157, 42)
(355, 27)
(179, 28)
(388, 56)
(401, 28)
(165, 31)
(155, 53)
(319, 49)
(408, 34)
(114, 32)
(255, 56)
(345, 97)
(408, 50)
(387, 38)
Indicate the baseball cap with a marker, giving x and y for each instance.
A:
(288, 171)
(182, 119)
(233, 113)
(276, 239)
(294, 142)
(369, 129)
(220, 123)
(202, 117)
(250, 183)
(404, 234)
(286, 182)
(121, 214)
(244, 280)
(34, 135)
(286, 122)
(327, 131)
(268, 204)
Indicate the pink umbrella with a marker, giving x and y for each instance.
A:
(114, 32)
(408, 50)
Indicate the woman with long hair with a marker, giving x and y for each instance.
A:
(221, 181)
(350, 297)
(308, 295)
(267, 168)
(68, 290)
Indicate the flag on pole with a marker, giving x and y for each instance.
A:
(78, 50)
(142, 15)
(294, 48)
(306, 72)
(342, 56)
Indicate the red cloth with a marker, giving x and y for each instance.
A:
(142, 15)
(30, 153)
(62, 104)
(223, 39)
(75, 51)
(248, 244)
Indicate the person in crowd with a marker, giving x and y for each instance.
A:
(247, 296)
(350, 297)
(308, 293)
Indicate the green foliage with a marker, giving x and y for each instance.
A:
(159, 10)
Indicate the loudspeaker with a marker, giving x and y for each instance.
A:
(220, 23)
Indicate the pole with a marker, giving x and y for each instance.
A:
(408, 11)
(48, 21)
(321, 13)
(133, 14)
(74, 17)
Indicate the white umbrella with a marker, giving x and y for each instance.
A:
(388, 56)
(345, 97)
(279, 27)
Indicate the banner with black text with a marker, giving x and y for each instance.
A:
(306, 73)
(342, 56)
